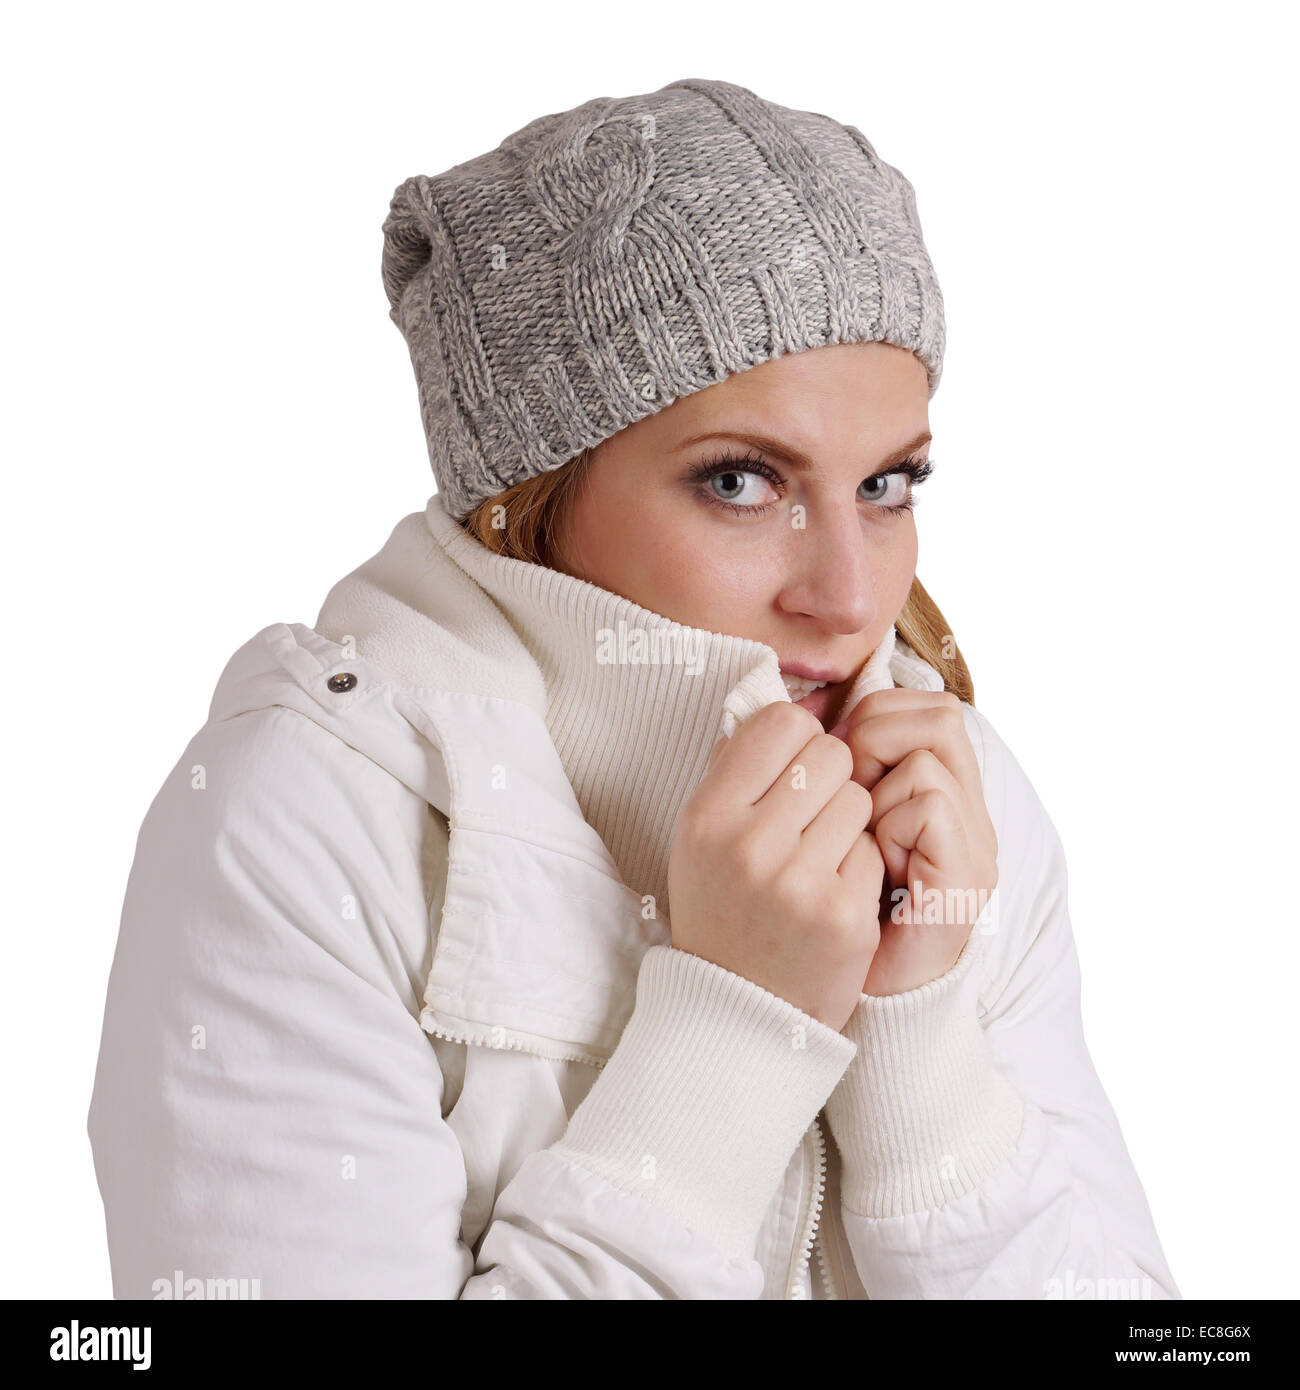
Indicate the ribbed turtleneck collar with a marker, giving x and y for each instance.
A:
(635, 701)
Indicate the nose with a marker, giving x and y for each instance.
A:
(829, 576)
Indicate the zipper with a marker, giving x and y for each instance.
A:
(802, 1252)
(824, 1265)
(840, 1277)
(472, 1038)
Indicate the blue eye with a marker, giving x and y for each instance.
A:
(737, 485)
(892, 491)
(886, 489)
(733, 482)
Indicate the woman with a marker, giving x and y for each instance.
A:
(616, 894)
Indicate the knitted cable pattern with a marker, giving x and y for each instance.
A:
(603, 262)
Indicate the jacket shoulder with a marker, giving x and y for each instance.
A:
(268, 814)
(282, 664)
(290, 666)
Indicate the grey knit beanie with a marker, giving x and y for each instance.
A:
(605, 261)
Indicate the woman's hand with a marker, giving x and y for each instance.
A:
(912, 753)
(772, 873)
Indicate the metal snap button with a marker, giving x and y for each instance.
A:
(345, 680)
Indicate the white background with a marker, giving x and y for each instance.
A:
(210, 418)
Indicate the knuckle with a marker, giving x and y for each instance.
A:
(858, 800)
(843, 917)
(838, 755)
(855, 739)
(783, 713)
(801, 720)
(873, 933)
(932, 800)
(763, 724)
(793, 891)
(877, 861)
(769, 714)
(872, 861)
(698, 822)
(926, 760)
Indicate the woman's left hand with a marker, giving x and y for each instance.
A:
(912, 753)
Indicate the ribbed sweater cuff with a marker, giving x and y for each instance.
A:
(711, 1087)
(922, 1115)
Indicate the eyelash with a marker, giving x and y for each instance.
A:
(918, 470)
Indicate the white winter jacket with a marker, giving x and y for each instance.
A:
(381, 1026)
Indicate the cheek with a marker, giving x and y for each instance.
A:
(634, 542)
(897, 566)
(668, 554)
(696, 577)
(599, 528)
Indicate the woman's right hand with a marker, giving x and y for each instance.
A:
(772, 873)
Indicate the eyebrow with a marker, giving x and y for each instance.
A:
(792, 456)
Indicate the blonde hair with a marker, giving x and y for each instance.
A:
(523, 523)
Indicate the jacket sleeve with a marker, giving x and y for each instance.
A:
(267, 1107)
(981, 1157)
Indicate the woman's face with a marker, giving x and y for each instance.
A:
(769, 507)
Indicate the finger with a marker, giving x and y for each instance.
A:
(862, 867)
(814, 775)
(877, 702)
(895, 697)
(919, 771)
(921, 838)
(760, 750)
(836, 828)
(882, 740)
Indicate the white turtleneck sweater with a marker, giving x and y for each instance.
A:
(633, 734)
(634, 737)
